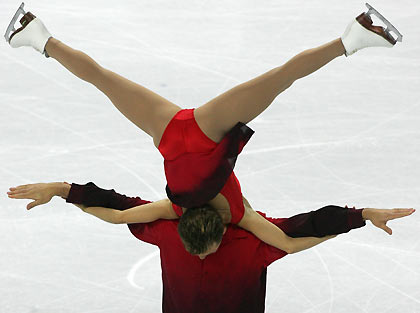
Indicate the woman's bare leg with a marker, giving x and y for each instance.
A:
(144, 108)
(246, 101)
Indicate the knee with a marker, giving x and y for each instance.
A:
(97, 74)
(284, 77)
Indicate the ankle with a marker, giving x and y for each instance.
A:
(51, 44)
(340, 46)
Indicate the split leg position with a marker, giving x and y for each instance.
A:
(243, 103)
(151, 112)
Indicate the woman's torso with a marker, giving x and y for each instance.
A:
(190, 156)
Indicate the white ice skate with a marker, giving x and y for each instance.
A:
(360, 33)
(33, 33)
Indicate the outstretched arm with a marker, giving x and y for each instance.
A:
(327, 220)
(143, 213)
(274, 236)
(312, 228)
(42, 193)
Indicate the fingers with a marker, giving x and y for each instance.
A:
(403, 210)
(398, 213)
(17, 194)
(20, 192)
(19, 187)
(26, 192)
(16, 190)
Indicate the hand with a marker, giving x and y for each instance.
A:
(379, 217)
(41, 193)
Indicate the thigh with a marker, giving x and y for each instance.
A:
(241, 104)
(146, 109)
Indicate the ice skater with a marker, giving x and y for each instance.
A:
(200, 146)
(233, 277)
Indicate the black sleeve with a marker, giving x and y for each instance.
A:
(91, 195)
(329, 220)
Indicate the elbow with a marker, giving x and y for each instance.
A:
(290, 250)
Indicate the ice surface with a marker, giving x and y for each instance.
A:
(347, 134)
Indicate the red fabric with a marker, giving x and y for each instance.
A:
(232, 280)
(197, 168)
(233, 194)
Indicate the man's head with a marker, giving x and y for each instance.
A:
(201, 230)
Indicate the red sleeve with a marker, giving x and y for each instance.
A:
(91, 195)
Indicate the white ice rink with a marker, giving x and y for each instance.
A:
(347, 134)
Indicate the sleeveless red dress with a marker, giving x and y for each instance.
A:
(197, 168)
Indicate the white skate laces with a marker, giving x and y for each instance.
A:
(33, 33)
(361, 33)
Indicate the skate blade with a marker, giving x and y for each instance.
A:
(11, 27)
(389, 26)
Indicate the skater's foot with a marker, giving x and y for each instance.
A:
(367, 23)
(24, 21)
(361, 33)
(33, 33)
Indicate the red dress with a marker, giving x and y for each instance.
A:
(197, 168)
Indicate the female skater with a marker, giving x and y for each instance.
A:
(200, 146)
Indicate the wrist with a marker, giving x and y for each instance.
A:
(366, 214)
(61, 189)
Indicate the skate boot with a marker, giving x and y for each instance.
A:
(360, 33)
(33, 33)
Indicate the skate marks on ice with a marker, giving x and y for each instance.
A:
(133, 271)
(93, 145)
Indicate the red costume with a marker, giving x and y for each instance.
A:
(197, 168)
(231, 280)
